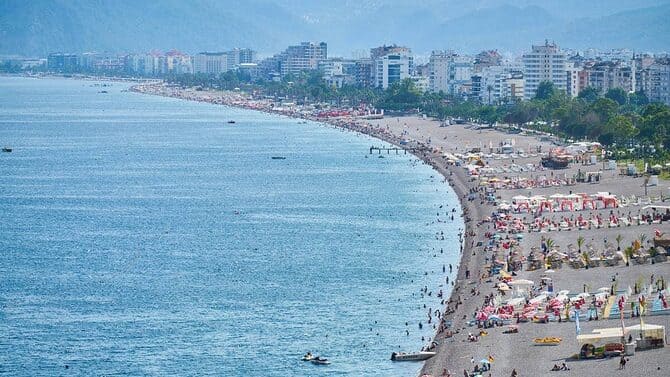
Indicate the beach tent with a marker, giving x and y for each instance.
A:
(650, 331)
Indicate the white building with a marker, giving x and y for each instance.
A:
(303, 57)
(500, 84)
(658, 85)
(573, 83)
(390, 65)
(421, 83)
(337, 71)
(213, 63)
(438, 67)
(544, 63)
(450, 73)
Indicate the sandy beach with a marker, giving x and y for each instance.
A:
(605, 216)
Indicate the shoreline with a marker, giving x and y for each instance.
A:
(475, 285)
(454, 177)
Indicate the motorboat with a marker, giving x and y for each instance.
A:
(412, 356)
(231, 122)
(7, 149)
(278, 158)
(320, 361)
(308, 357)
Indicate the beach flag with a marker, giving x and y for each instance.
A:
(577, 328)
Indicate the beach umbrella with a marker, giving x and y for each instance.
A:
(503, 287)
(484, 361)
(549, 271)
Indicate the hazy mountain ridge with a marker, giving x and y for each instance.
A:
(37, 27)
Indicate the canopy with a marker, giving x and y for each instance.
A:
(521, 282)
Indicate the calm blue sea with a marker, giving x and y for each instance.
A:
(142, 235)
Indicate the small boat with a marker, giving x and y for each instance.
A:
(320, 361)
(7, 149)
(278, 158)
(308, 357)
(231, 122)
(412, 356)
(103, 92)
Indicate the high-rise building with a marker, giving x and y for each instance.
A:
(391, 64)
(239, 56)
(574, 81)
(544, 63)
(654, 80)
(438, 77)
(60, 62)
(363, 72)
(303, 57)
(606, 75)
(499, 84)
(213, 63)
(450, 73)
(338, 72)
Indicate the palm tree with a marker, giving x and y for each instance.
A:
(587, 259)
(580, 242)
(629, 254)
(618, 239)
(550, 244)
(642, 238)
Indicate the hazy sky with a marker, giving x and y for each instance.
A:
(37, 27)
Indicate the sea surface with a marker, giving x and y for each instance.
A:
(143, 235)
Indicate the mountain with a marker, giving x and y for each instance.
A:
(37, 27)
(640, 29)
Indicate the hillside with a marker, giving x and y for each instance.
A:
(37, 27)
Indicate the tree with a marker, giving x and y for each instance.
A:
(638, 99)
(619, 129)
(489, 88)
(604, 108)
(401, 95)
(618, 239)
(545, 90)
(617, 95)
(589, 94)
(628, 252)
(580, 242)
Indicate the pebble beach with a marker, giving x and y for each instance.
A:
(534, 238)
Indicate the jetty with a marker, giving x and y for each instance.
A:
(398, 149)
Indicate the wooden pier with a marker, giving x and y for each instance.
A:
(397, 149)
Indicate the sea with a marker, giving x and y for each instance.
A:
(147, 236)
